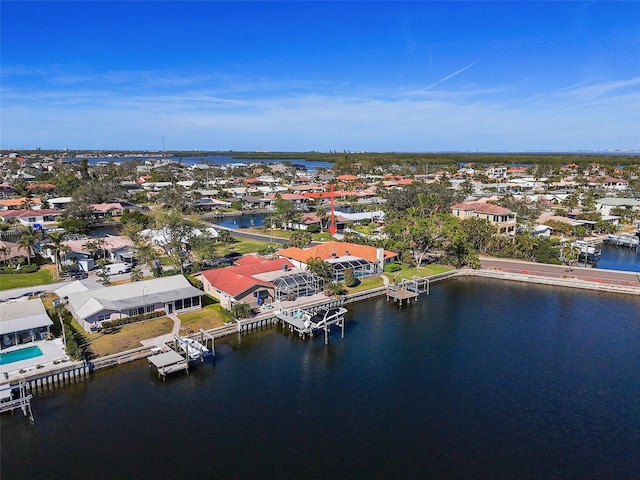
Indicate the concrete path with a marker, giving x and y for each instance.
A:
(164, 339)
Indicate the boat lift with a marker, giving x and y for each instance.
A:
(307, 322)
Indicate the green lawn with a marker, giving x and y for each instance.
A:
(244, 246)
(366, 284)
(212, 315)
(426, 271)
(128, 336)
(18, 280)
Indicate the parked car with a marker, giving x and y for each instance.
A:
(116, 268)
(78, 275)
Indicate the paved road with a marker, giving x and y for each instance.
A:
(593, 274)
(240, 233)
(26, 292)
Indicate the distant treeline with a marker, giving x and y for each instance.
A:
(344, 159)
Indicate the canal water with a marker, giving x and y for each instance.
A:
(620, 258)
(481, 379)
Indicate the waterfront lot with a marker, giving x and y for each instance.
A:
(210, 316)
(128, 336)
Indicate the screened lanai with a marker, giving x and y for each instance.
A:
(360, 266)
(290, 287)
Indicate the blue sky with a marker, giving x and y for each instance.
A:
(301, 76)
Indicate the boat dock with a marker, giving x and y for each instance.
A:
(308, 321)
(623, 240)
(408, 290)
(168, 362)
(588, 250)
(9, 402)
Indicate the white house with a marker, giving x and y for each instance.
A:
(23, 322)
(169, 294)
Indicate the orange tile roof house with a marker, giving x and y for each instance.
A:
(503, 218)
(363, 259)
(347, 178)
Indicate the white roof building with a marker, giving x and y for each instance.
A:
(23, 321)
(171, 294)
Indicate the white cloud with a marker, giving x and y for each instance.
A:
(255, 115)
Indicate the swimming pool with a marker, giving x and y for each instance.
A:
(22, 354)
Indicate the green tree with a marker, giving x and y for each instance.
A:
(28, 241)
(299, 239)
(54, 241)
(319, 267)
(478, 232)
(349, 278)
(570, 254)
(177, 232)
(241, 310)
(137, 275)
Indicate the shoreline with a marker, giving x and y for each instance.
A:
(611, 283)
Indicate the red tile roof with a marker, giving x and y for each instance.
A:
(237, 279)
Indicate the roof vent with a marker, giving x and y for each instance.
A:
(346, 252)
(285, 267)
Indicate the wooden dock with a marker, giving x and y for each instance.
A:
(23, 401)
(168, 362)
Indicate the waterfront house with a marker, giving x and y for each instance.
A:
(363, 259)
(251, 281)
(168, 294)
(503, 218)
(23, 322)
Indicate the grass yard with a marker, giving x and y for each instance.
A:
(212, 315)
(19, 280)
(244, 246)
(128, 336)
(366, 284)
(426, 271)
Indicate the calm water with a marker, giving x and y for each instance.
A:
(241, 221)
(620, 258)
(482, 379)
(216, 160)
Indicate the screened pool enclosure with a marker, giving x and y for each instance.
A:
(290, 287)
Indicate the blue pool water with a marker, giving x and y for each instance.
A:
(22, 354)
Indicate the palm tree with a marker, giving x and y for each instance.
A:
(570, 253)
(55, 242)
(28, 241)
(319, 267)
(137, 275)
(4, 251)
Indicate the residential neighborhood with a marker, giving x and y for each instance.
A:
(136, 239)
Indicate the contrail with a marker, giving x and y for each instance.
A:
(450, 76)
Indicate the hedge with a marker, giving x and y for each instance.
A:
(392, 267)
(118, 322)
(23, 269)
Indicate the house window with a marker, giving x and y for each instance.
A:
(187, 302)
(32, 219)
(195, 301)
(178, 304)
(149, 308)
